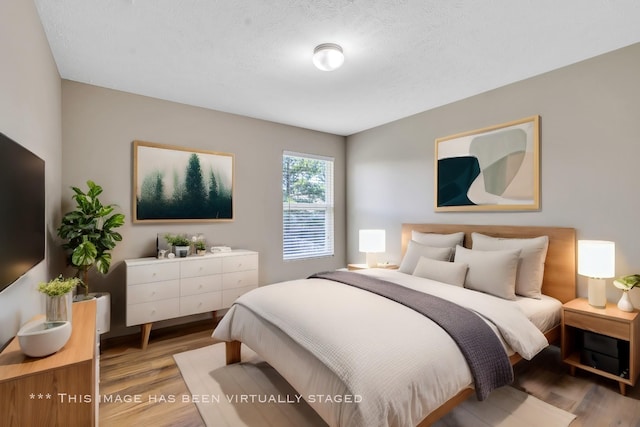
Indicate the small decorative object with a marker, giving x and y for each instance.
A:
(161, 253)
(201, 247)
(179, 243)
(626, 283)
(171, 255)
(58, 299)
(37, 339)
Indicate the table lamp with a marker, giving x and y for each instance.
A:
(596, 260)
(372, 242)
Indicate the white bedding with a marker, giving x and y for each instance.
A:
(335, 341)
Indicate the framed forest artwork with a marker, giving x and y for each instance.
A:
(178, 184)
(496, 168)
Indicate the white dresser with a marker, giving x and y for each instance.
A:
(160, 289)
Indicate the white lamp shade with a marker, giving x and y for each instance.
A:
(596, 258)
(328, 57)
(372, 241)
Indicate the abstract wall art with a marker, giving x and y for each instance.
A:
(177, 184)
(496, 168)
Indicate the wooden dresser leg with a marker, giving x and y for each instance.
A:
(623, 388)
(233, 351)
(145, 330)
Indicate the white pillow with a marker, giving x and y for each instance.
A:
(452, 273)
(439, 240)
(491, 272)
(415, 250)
(531, 263)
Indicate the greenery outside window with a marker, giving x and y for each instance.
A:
(307, 208)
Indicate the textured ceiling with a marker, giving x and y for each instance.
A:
(253, 57)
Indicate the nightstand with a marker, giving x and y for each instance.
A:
(365, 266)
(604, 341)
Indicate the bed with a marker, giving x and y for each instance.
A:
(391, 366)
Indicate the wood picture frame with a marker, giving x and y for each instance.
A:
(177, 184)
(496, 168)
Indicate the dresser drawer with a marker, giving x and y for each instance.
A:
(200, 303)
(239, 279)
(153, 311)
(240, 263)
(230, 295)
(200, 285)
(156, 291)
(201, 267)
(152, 272)
(609, 327)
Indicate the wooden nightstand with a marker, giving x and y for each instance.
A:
(601, 340)
(365, 266)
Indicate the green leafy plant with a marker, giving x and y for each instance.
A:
(200, 246)
(626, 283)
(177, 240)
(89, 232)
(58, 286)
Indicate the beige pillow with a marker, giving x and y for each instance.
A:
(415, 250)
(491, 272)
(452, 273)
(533, 252)
(439, 240)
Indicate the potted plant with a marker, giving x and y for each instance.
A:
(89, 233)
(201, 248)
(626, 283)
(58, 298)
(180, 244)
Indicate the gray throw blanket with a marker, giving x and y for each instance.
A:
(485, 355)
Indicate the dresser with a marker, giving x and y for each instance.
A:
(57, 390)
(161, 289)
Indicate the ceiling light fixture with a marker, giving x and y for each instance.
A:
(328, 56)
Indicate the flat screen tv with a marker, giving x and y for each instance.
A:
(22, 205)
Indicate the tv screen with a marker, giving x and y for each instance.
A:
(22, 205)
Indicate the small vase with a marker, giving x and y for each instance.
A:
(182, 251)
(58, 309)
(625, 302)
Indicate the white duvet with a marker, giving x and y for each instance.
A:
(389, 365)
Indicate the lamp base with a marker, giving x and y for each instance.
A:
(597, 293)
(372, 260)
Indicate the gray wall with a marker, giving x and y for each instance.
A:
(30, 114)
(98, 128)
(590, 148)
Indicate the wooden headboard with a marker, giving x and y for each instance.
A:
(560, 266)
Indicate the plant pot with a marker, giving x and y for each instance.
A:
(201, 252)
(57, 309)
(181, 251)
(625, 302)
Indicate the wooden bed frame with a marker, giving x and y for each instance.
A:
(559, 280)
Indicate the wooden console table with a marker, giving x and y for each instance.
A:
(57, 390)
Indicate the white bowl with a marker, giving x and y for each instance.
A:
(36, 340)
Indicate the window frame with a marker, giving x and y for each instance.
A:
(328, 206)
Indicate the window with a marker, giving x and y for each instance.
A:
(307, 208)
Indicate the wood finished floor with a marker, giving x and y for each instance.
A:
(128, 373)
